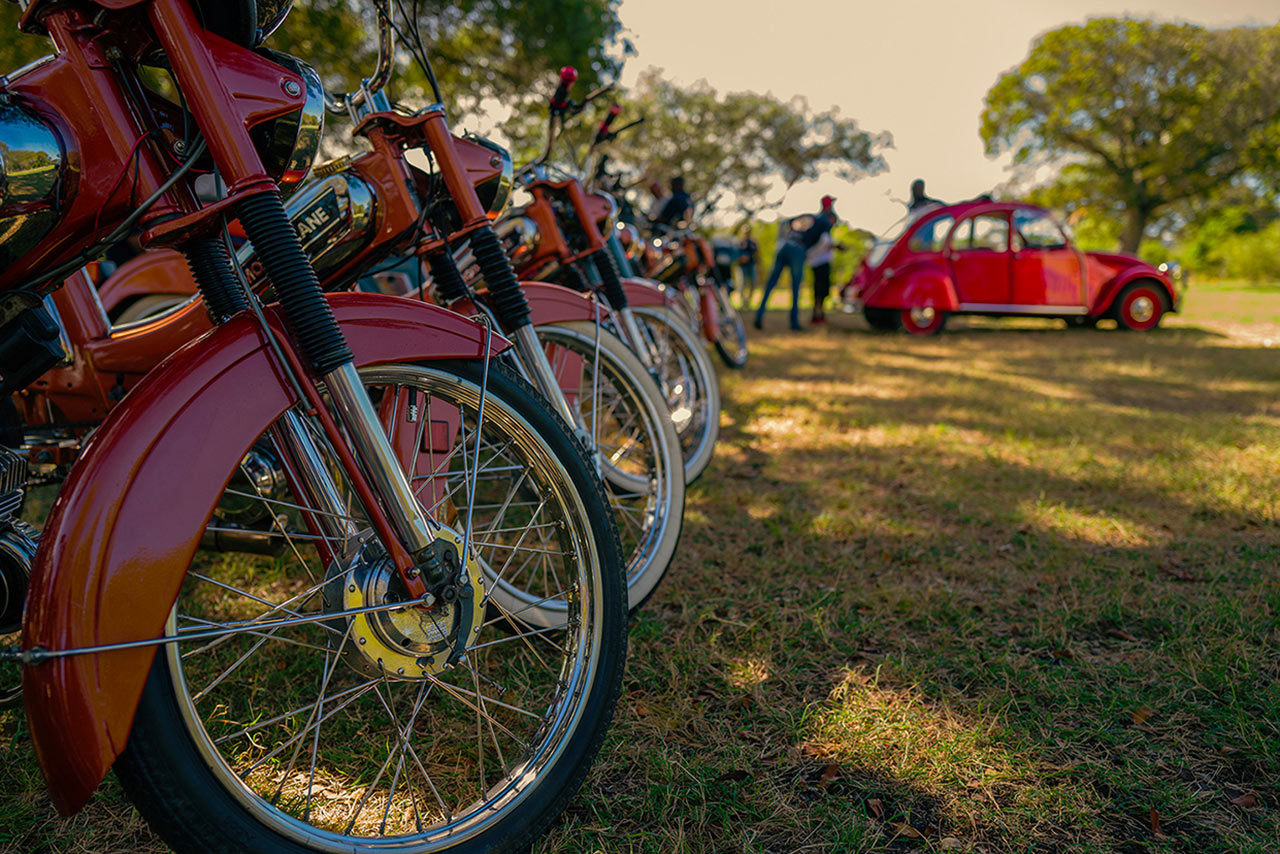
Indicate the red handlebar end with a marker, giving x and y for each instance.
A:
(568, 74)
(614, 110)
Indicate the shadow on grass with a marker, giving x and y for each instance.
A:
(988, 596)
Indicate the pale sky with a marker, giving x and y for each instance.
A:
(916, 68)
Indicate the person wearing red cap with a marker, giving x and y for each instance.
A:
(791, 256)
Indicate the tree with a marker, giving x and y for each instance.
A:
(505, 49)
(737, 142)
(1149, 114)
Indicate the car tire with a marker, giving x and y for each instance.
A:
(923, 320)
(1140, 306)
(1081, 322)
(881, 319)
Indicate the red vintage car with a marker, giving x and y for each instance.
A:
(1000, 258)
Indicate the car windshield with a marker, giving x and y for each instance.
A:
(885, 242)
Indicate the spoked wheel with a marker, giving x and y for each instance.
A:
(339, 719)
(626, 416)
(689, 384)
(731, 334)
(923, 320)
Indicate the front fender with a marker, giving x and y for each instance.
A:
(1107, 295)
(646, 292)
(126, 524)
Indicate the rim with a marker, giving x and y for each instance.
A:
(336, 758)
(627, 432)
(1142, 308)
(684, 383)
(731, 328)
(923, 317)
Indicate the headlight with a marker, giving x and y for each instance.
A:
(288, 144)
(519, 237)
(495, 191)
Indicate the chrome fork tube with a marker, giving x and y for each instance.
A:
(315, 477)
(634, 339)
(381, 466)
(539, 367)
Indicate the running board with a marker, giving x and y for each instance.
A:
(997, 308)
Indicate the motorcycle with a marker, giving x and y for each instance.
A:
(589, 378)
(395, 680)
(566, 234)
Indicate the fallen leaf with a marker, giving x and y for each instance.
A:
(1120, 634)
(1179, 574)
(1061, 654)
(1155, 825)
(736, 776)
(1141, 715)
(904, 829)
(1248, 799)
(876, 807)
(950, 843)
(829, 774)
(641, 708)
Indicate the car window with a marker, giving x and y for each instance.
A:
(931, 234)
(1035, 230)
(982, 233)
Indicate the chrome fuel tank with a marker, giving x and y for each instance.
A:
(32, 169)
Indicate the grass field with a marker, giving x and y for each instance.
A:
(1009, 589)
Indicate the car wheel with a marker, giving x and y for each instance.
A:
(1081, 322)
(923, 320)
(1140, 306)
(881, 319)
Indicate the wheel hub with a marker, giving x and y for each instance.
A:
(922, 316)
(1142, 309)
(411, 643)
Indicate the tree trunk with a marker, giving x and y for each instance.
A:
(1135, 226)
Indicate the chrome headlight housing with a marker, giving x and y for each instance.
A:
(495, 193)
(288, 144)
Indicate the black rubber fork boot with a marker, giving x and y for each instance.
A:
(305, 308)
(211, 268)
(612, 282)
(571, 276)
(450, 286)
(506, 298)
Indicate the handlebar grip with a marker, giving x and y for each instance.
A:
(568, 76)
(603, 133)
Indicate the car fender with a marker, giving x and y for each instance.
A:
(123, 530)
(1108, 293)
(925, 285)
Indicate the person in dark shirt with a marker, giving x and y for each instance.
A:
(918, 197)
(677, 206)
(791, 255)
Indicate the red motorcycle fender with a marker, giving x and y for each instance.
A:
(710, 313)
(160, 272)
(557, 304)
(123, 530)
(645, 292)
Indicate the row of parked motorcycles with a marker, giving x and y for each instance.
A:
(359, 473)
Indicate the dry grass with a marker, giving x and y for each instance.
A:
(1010, 589)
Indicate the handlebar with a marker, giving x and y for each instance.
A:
(560, 100)
(382, 72)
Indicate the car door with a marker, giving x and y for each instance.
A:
(1047, 270)
(980, 262)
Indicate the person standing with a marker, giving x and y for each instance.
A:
(749, 255)
(674, 208)
(819, 259)
(791, 256)
(918, 197)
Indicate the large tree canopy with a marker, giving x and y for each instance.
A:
(506, 49)
(740, 142)
(1148, 114)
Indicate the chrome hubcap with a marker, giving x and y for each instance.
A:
(1142, 309)
(923, 316)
